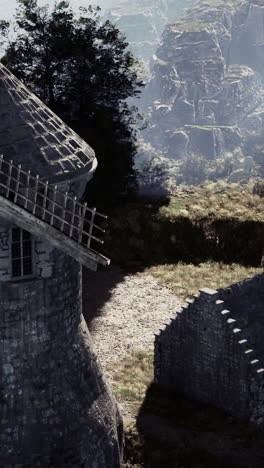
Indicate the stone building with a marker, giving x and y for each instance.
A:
(56, 407)
(213, 350)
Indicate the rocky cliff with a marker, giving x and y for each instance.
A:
(143, 21)
(206, 92)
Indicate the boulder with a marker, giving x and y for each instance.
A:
(183, 112)
(178, 144)
(232, 138)
(239, 175)
(206, 141)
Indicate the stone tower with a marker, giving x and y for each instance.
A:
(56, 408)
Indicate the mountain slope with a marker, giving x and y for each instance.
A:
(206, 93)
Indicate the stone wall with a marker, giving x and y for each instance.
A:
(41, 254)
(210, 352)
(56, 408)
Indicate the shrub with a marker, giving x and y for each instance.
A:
(194, 169)
(258, 188)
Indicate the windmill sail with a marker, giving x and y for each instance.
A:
(50, 214)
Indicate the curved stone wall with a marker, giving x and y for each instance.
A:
(56, 408)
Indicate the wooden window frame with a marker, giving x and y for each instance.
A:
(21, 257)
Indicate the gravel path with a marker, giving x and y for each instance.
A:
(124, 311)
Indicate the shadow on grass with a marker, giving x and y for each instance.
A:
(174, 432)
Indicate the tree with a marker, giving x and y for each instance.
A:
(79, 66)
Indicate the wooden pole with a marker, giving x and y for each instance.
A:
(82, 222)
(17, 183)
(72, 216)
(9, 178)
(45, 198)
(27, 189)
(64, 210)
(53, 204)
(35, 195)
(91, 226)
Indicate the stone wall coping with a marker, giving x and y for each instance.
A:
(208, 291)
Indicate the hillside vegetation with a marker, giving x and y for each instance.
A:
(217, 222)
(215, 201)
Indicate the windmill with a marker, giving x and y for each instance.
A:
(56, 407)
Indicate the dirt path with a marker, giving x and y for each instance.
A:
(124, 311)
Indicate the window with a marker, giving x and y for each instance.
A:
(21, 253)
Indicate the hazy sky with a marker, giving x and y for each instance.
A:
(7, 7)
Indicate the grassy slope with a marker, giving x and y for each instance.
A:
(133, 375)
(198, 425)
(217, 222)
(185, 280)
(215, 201)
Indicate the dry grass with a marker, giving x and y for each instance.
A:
(131, 376)
(217, 200)
(185, 280)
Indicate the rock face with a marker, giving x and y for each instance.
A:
(206, 92)
(142, 22)
(248, 35)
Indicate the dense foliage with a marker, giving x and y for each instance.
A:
(79, 66)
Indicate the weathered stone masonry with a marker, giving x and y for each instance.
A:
(56, 410)
(213, 352)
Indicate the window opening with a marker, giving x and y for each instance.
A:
(21, 253)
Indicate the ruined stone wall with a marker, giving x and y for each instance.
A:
(56, 408)
(206, 354)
